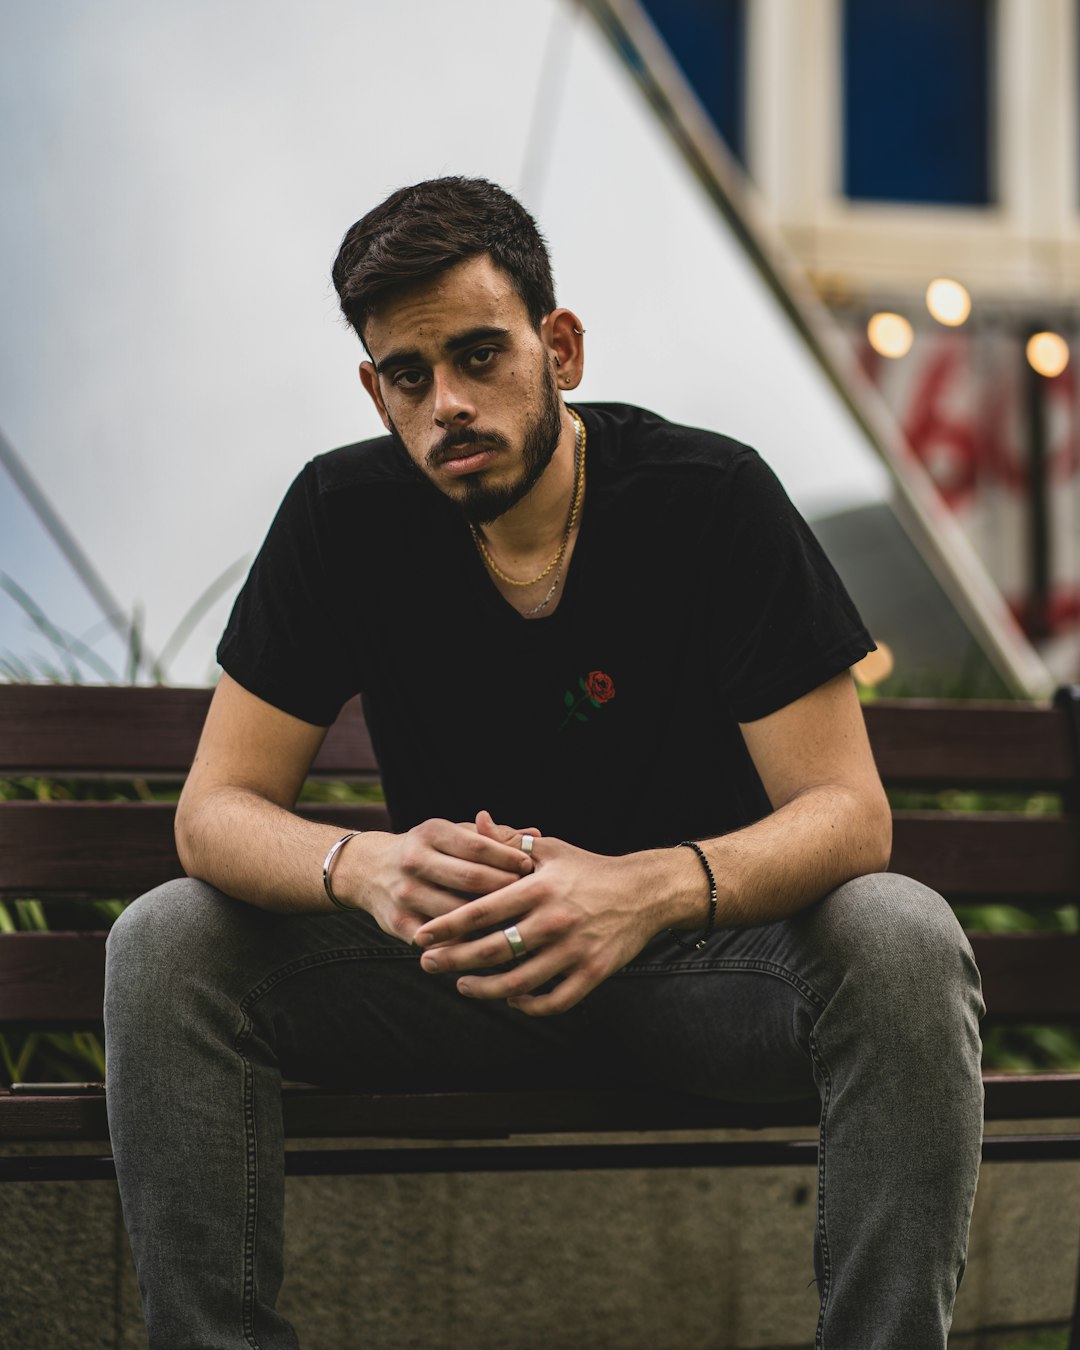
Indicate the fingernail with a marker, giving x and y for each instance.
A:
(526, 865)
(423, 940)
(464, 987)
(429, 962)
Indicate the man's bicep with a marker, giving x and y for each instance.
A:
(248, 743)
(820, 739)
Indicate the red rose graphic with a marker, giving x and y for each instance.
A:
(599, 687)
(596, 690)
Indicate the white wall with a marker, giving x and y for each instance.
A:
(176, 179)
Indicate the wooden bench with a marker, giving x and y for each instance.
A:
(82, 850)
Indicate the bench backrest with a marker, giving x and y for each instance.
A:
(117, 849)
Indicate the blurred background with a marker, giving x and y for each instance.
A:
(844, 231)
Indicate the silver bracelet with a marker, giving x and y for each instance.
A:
(327, 861)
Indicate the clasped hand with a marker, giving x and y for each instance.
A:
(579, 915)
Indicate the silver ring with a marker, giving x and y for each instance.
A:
(512, 936)
(527, 841)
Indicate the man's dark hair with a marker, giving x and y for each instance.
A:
(422, 230)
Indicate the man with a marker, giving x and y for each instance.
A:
(636, 818)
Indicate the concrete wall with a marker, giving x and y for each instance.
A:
(573, 1261)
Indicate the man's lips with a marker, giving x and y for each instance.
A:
(467, 459)
(469, 462)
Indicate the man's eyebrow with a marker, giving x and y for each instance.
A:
(453, 344)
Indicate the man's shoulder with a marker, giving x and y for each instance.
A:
(630, 437)
(359, 465)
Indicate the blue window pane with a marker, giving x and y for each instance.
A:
(708, 40)
(917, 101)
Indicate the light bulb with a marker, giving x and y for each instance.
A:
(890, 334)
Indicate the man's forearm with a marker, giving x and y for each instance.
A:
(825, 836)
(255, 850)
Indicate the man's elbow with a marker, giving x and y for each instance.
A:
(187, 832)
(877, 834)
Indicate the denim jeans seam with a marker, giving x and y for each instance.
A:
(826, 1264)
(729, 963)
(251, 1153)
(251, 1142)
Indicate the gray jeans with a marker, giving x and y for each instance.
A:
(870, 999)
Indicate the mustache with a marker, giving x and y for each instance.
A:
(466, 437)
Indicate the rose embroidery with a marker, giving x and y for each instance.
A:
(595, 688)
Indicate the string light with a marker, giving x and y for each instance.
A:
(890, 334)
(948, 302)
(1047, 354)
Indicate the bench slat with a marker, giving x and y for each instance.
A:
(918, 743)
(53, 729)
(1029, 977)
(52, 980)
(120, 849)
(114, 849)
(993, 856)
(113, 730)
(313, 1113)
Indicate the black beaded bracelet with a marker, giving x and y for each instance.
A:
(700, 942)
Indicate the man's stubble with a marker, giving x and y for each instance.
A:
(479, 503)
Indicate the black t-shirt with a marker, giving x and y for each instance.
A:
(697, 598)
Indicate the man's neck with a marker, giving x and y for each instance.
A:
(535, 526)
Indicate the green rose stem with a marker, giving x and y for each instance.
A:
(573, 706)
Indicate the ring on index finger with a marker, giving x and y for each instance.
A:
(527, 841)
(517, 946)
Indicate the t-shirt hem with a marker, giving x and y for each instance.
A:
(267, 691)
(808, 678)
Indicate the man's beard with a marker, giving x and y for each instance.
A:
(480, 504)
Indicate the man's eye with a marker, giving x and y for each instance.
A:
(482, 358)
(409, 379)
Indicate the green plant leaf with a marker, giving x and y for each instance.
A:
(568, 699)
(582, 684)
(195, 613)
(581, 717)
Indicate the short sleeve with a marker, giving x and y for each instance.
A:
(283, 642)
(783, 623)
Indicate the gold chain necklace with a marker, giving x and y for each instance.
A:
(571, 519)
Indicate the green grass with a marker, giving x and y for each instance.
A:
(1041, 1340)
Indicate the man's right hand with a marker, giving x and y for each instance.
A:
(403, 880)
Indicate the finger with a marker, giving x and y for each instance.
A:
(494, 909)
(486, 825)
(566, 995)
(506, 833)
(467, 878)
(420, 904)
(491, 950)
(517, 982)
(465, 841)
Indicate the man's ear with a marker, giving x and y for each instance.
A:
(561, 333)
(369, 378)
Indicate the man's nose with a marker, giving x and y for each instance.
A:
(452, 405)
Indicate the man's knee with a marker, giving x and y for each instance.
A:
(901, 939)
(162, 935)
